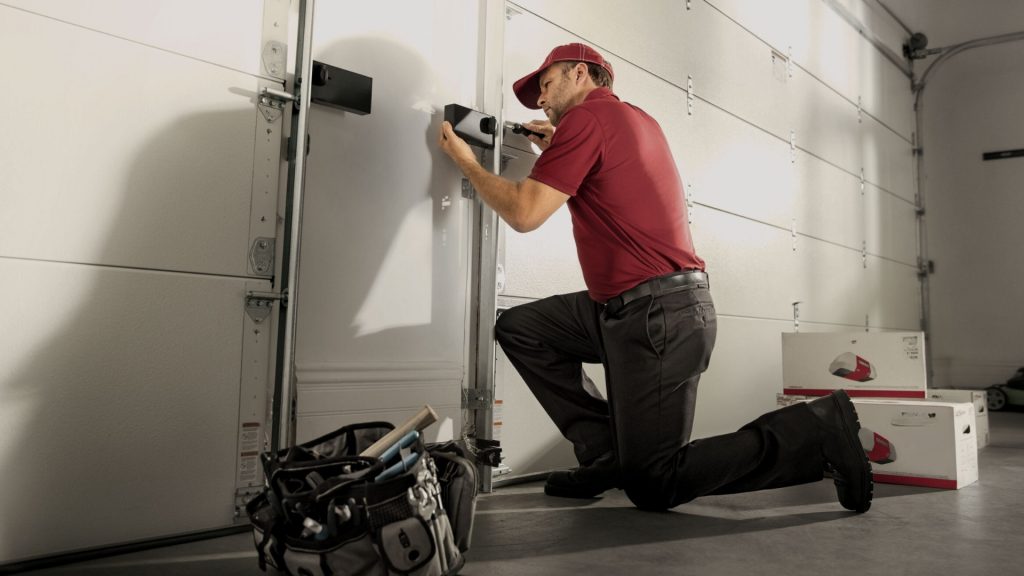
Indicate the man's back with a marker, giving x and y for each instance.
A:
(627, 205)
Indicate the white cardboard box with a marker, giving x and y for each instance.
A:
(980, 401)
(865, 364)
(930, 444)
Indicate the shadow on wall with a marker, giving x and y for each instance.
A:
(121, 411)
(385, 239)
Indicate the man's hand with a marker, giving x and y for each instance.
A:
(455, 147)
(543, 127)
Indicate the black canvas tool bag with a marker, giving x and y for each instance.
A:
(324, 512)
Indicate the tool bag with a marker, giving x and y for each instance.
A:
(326, 511)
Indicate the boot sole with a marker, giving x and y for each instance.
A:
(851, 426)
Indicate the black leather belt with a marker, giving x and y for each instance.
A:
(674, 282)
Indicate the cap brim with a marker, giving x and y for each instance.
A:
(527, 89)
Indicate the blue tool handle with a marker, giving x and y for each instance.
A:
(398, 467)
(404, 442)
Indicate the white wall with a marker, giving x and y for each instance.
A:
(828, 221)
(975, 210)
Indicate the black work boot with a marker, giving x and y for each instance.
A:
(844, 456)
(586, 481)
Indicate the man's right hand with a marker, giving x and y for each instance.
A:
(542, 127)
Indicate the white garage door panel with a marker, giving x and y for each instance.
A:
(751, 265)
(744, 377)
(372, 393)
(543, 262)
(886, 91)
(880, 24)
(386, 231)
(888, 159)
(736, 167)
(226, 32)
(734, 71)
(832, 283)
(826, 46)
(136, 377)
(773, 21)
(159, 177)
(891, 226)
(825, 123)
(665, 23)
(829, 202)
(893, 295)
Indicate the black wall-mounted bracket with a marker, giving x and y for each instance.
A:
(342, 89)
(474, 127)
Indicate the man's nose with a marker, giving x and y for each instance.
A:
(540, 100)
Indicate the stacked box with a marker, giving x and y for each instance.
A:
(908, 438)
(977, 397)
(920, 443)
(865, 364)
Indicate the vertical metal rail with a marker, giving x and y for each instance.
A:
(483, 296)
(283, 412)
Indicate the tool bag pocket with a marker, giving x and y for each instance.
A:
(326, 511)
(459, 488)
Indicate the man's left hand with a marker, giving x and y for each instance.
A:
(454, 146)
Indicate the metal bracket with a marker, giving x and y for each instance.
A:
(864, 252)
(242, 497)
(473, 399)
(689, 5)
(467, 189)
(261, 256)
(446, 203)
(274, 57)
(792, 146)
(792, 230)
(796, 316)
(789, 61)
(862, 181)
(272, 103)
(860, 110)
(866, 323)
(258, 305)
(689, 95)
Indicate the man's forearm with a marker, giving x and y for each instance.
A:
(501, 194)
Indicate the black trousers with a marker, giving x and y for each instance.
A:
(653, 350)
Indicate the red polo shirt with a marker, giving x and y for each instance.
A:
(628, 210)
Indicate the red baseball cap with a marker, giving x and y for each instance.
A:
(527, 88)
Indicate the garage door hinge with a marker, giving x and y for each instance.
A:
(242, 497)
(473, 399)
(258, 305)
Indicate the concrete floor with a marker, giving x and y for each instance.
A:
(799, 530)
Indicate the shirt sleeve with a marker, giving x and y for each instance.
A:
(574, 153)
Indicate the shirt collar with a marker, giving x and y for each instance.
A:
(600, 93)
